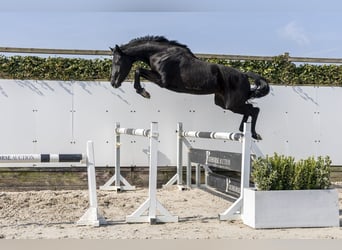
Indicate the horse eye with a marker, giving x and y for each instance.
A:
(116, 58)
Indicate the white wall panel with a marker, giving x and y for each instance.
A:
(18, 130)
(330, 123)
(287, 121)
(93, 119)
(54, 116)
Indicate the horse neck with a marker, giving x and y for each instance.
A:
(142, 52)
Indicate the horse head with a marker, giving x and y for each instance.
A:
(121, 66)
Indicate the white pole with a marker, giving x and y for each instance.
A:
(179, 153)
(245, 173)
(91, 174)
(153, 171)
(91, 216)
(198, 175)
(188, 173)
(246, 157)
(117, 157)
(117, 178)
(152, 205)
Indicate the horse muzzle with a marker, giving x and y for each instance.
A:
(115, 81)
(115, 84)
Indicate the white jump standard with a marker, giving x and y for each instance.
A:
(181, 138)
(117, 178)
(247, 147)
(148, 211)
(91, 217)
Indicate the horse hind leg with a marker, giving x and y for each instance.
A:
(254, 116)
(248, 110)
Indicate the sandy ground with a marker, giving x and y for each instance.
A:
(52, 215)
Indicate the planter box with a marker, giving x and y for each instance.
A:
(290, 208)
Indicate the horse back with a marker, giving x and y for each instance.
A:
(182, 72)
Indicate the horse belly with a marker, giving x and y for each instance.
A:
(199, 81)
(190, 90)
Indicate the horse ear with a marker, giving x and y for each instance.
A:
(112, 49)
(117, 48)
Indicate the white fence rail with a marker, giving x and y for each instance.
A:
(109, 53)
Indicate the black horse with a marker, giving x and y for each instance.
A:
(173, 66)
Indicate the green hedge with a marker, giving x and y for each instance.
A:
(283, 173)
(54, 68)
(278, 71)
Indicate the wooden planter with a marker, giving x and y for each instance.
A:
(291, 208)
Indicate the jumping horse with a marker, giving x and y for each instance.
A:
(173, 66)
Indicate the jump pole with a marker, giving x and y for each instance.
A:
(91, 217)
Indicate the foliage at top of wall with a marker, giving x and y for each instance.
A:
(278, 71)
(53, 68)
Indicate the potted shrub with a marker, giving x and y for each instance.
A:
(291, 194)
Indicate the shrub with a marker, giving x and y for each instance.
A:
(283, 173)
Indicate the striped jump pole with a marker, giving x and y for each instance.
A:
(203, 135)
(91, 217)
(41, 158)
(213, 135)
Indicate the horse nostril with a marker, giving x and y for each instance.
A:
(112, 81)
(115, 77)
(115, 84)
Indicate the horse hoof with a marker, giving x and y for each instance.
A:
(144, 93)
(256, 137)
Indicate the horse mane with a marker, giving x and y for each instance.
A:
(158, 39)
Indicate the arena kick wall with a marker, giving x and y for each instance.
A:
(57, 116)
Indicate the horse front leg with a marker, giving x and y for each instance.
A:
(149, 75)
(140, 90)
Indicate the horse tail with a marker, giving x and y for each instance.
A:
(262, 87)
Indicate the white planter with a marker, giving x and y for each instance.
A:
(290, 208)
